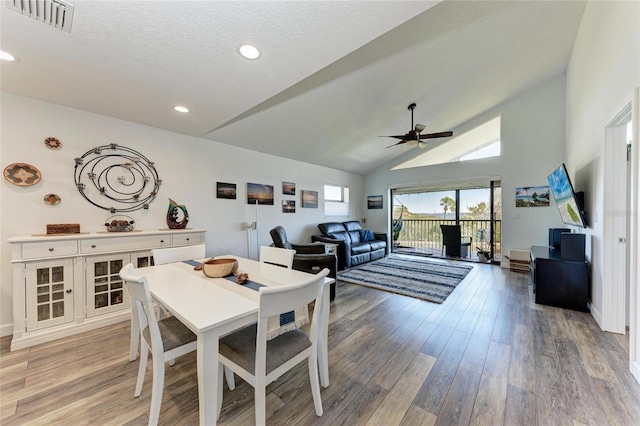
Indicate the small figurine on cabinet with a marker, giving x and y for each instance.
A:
(173, 220)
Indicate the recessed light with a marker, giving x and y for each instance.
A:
(181, 109)
(5, 56)
(248, 51)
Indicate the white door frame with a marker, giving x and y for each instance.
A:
(615, 221)
(634, 243)
(613, 313)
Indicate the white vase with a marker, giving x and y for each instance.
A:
(482, 258)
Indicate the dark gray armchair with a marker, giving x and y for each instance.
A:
(452, 239)
(309, 257)
(279, 237)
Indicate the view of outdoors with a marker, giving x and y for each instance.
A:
(417, 218)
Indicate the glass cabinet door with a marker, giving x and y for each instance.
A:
(105, 288)
(141, 259)
(49, 293)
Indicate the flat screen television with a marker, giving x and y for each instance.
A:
(565, 197)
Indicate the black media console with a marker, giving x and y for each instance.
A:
(561, 279)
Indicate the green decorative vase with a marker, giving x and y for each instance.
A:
(177, 215)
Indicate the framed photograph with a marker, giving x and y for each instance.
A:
(263, 194)
(374, 202)
(288, 206)
(288, 188)
(532, 196)
(226, 190)
(310, 199)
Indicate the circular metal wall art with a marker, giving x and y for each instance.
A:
(116, 178)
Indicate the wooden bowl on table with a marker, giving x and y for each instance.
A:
(218, 268)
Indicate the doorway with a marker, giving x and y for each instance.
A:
(418, 212)
(621, 234)
(616, 300)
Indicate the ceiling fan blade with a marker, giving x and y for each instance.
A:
(420, 127)
(436, 135)
(394, 136)
(395, 144)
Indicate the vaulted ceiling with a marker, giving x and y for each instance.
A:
(332, 78)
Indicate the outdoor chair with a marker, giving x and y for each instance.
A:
(453, 241)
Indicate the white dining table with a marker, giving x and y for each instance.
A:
(214, 307)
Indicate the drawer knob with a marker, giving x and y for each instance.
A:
(187, 239)
(69, 291)
(162, 241)
(51, 249)
(93, 246)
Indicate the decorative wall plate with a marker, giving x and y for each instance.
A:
(22, 174)
(52, 199)
(53, 143)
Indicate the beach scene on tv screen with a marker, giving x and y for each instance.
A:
(563, 193)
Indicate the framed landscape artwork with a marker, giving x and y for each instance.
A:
(262, 194)
(226, 190)
(374, 202)
(288, 206)
(288, 188)
(310, 199)
(532, 196)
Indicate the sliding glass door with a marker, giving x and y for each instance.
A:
(418, 214)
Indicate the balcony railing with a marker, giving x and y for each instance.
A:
(425, 235)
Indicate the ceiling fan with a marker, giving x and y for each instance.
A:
(413, 137)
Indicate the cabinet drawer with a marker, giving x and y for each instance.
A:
(49, 249)
(103, 245)
(187, 239)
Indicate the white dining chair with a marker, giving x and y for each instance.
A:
(166, 255)
(177, 254)
(166, 339)
(277, 256)
(260, 361)
(162, 256)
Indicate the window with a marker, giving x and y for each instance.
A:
(336, 200)
(482, 141)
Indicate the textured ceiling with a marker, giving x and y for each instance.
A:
(333, 75)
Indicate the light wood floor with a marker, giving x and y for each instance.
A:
(487, 356)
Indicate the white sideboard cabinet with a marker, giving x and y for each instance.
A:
(67, 284)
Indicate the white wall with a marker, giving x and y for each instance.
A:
(533, 145)
(188, 166)
(604, 70)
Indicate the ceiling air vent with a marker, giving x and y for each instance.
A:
(56, 13)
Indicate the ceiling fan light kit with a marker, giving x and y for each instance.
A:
(414, 137)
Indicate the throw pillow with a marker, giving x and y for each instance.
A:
(366, 235)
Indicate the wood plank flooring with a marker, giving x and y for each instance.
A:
(487, 356)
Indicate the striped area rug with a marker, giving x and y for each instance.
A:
(414, 277)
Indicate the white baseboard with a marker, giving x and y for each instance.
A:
(635, 371)
(595, 313)
(65, 330)
(6, 330)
